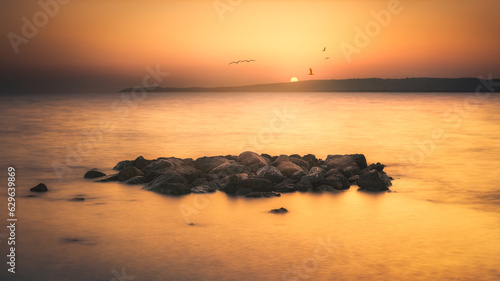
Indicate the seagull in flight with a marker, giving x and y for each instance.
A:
(236, 62)
(311, 71)
(327, 58)
(324, 49)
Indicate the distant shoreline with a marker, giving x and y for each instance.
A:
(415, 85)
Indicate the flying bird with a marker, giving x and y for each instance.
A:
(236, 62)
(324, 49)
(327, 58)
(311, 71)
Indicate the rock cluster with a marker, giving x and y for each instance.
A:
(251, 174)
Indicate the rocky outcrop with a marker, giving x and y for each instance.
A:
(250, 174)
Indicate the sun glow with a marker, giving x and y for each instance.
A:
(294, 79)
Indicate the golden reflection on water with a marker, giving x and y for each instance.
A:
(441, 224)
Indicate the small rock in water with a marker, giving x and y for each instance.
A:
(279, 211)
(94, 173)
(78, 199)
(191, 224)
(40, 188)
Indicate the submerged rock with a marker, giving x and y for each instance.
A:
(279, 211)
(94, 173)
(41, 187)
(78, 199)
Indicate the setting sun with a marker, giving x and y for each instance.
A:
(294, 79)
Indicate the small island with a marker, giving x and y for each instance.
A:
(249, 174)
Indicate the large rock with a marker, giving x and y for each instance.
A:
(281, 158)
(315, 175)
(169, 188)
(140, 163)
(351, 171)
(190, 173)
(379, 167)
(129, 173)
(206, 164)
(257, 184)
(136, 180)
(227, 169)
(271, 173)
(311, 158)
(157, 168)
(340, 163)
(160, 182)
(123, 164)
(248, 158)
(41, 187)
(360, 160)
(301, 163)
(373, 180)
(232, 183)
(288, 168)
(303, 185)
(335, 179)
(94, 173)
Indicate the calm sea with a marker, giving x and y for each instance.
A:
(442, 223)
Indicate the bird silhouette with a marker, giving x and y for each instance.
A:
(327, 58)
(324, 49)
(311, 71)
(236, 62)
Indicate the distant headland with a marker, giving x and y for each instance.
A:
(354, 85)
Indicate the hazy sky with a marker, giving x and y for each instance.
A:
(105, 45)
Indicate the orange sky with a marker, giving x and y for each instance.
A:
(105, 45)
